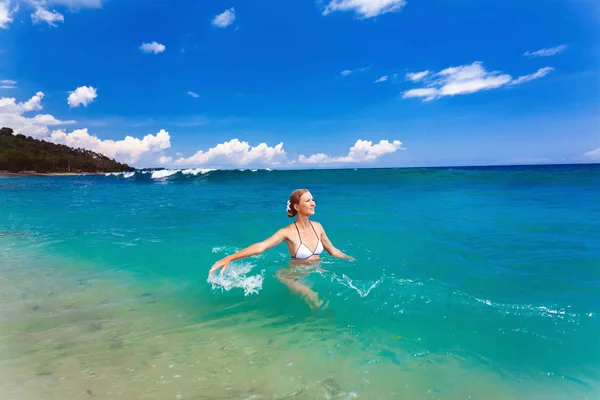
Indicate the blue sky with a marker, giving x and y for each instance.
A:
(306, 84)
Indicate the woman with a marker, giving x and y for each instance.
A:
(305, 240)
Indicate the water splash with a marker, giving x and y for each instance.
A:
(362, 292)
(224, 249)
(236, 277)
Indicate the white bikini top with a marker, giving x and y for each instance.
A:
(303, 252)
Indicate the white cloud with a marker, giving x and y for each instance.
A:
(164, 160)
(224, 19)
(150, 148)
(83, 95)
(7, 84)
(536, 75)
(426, 93)
(237, 153)
(128, 150)
(6, 14)
(319, 158)
(365, 8)
(50, 17)
(10, 105)
(153, 47)
(347, 72)
(11, 115)
(195, 95)
(470, 79)
(41, 12)
(362, 151)
(594, 154)
(382, 79)
(416, 76)
(466, 79)
(546, 52)
(76, 4)
(49, 120)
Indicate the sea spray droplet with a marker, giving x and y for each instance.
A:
(224, 249)
(235, 277)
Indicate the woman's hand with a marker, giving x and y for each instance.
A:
(223, 263)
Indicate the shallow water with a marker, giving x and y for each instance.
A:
(474, 283)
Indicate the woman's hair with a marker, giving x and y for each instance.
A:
(294, 199)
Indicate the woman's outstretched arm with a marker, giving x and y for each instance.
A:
(249, 251)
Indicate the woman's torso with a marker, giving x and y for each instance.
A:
(305, 245)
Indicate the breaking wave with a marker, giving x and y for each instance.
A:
(182, 174)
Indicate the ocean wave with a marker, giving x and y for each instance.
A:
(164, 173)
(197, 171)
(181, 174)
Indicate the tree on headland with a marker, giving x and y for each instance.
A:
(20, 153)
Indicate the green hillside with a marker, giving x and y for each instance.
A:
(20, 153)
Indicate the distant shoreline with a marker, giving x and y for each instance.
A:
(31, 173)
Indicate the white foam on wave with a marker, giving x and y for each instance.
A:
(163, 173)
(235, 276)
(196, 171)
(123, 174)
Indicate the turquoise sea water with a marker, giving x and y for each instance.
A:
(479, 283)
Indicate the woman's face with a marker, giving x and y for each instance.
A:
(306, 205)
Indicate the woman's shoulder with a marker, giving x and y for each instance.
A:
(288, 228)
(317, 224)
(284, 233)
